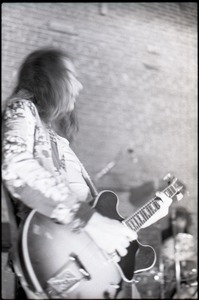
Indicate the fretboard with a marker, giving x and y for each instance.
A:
(138, 219)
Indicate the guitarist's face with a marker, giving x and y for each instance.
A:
(74, 85)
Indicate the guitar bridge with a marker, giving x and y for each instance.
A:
(67, 278)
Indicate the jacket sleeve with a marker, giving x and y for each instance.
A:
(26, 179)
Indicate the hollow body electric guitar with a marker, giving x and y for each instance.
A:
(68, 264)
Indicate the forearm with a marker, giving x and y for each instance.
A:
(35, 187)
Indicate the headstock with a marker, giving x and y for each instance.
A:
(179, 186)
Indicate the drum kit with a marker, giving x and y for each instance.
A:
(175, 277)
(179, 267)
(176, 273)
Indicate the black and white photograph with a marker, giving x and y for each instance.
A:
(99, 150)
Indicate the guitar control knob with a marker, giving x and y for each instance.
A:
(106, 295)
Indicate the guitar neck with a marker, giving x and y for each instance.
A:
(139, 218)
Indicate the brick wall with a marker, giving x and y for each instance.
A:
(138, 65)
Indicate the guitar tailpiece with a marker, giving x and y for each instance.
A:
(67, 278)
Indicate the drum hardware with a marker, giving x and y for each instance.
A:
(179, 265)
(110, 165)
(162, 279)
(176, 256)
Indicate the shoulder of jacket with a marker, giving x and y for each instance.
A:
(16, 103)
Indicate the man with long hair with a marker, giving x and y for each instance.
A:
(40, 170)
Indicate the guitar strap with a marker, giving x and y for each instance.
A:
(89, 182)
(85, 175)
(55, 155)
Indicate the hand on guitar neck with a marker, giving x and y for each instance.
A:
(110, 235)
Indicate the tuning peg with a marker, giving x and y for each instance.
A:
(168, 177)
(179, 196)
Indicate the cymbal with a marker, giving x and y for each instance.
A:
(182, 247)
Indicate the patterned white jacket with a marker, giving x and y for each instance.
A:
(39, 168)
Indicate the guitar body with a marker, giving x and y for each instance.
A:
(68, 264)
